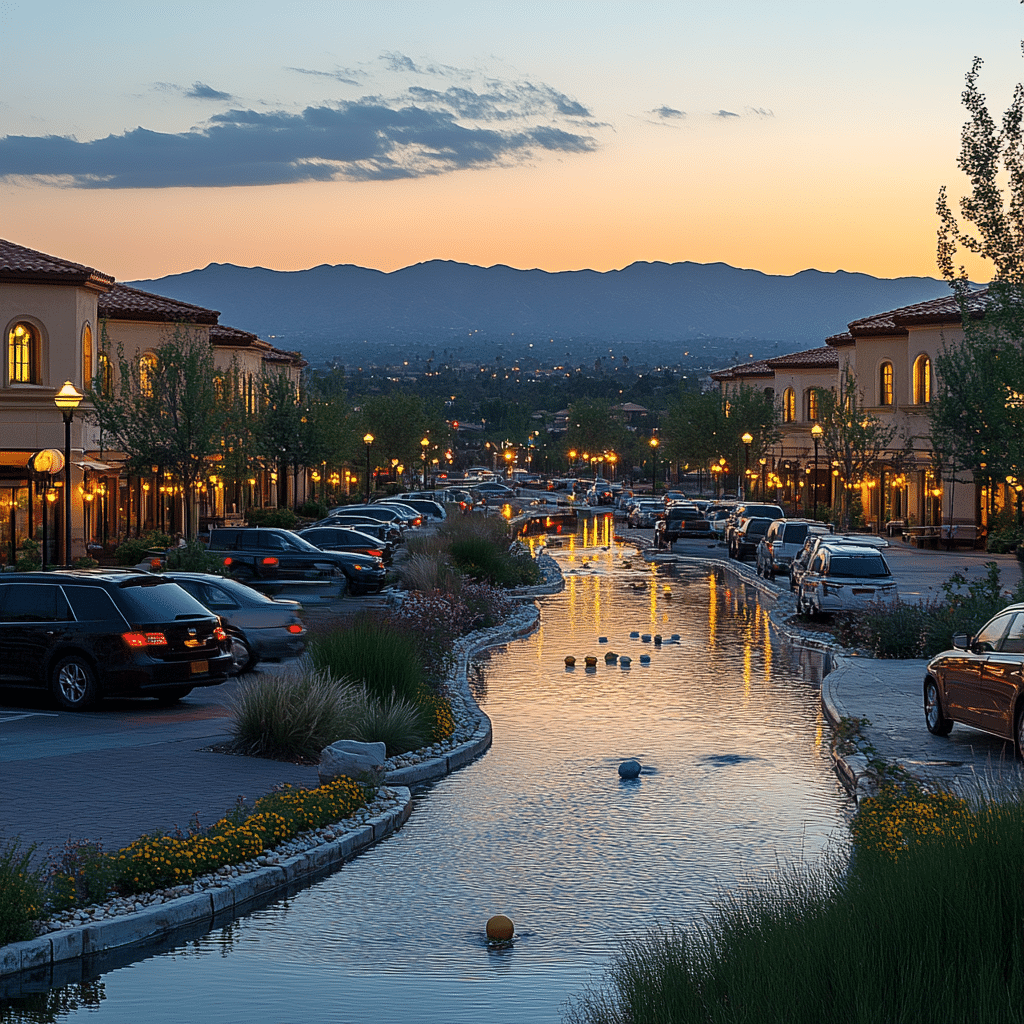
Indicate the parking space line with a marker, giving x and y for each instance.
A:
(27, 714)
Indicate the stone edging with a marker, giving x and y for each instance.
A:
(201, 907)
(260, 885)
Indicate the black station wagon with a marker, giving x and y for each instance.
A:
(86, 634)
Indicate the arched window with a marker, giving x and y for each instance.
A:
(788, 406)
(23, 354)
(885, 384)
(147, 368)
(922, 380)
(87, 368)
(812, 404)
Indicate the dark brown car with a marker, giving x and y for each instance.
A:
(980, 682)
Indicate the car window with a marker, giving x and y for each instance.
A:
(992, 632)
(92, 604)
(149, 600)
(860, 566)
(271, 542)
(795, 533)
(209, 594)
(33, 602)
(1013, 643)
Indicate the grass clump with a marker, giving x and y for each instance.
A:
(21, 892)
(926, 923)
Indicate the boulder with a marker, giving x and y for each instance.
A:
(352, 758)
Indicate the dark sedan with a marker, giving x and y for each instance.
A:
(259, 628)
(979, 682)
(342, 538)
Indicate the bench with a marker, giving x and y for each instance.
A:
(921, 536)
(950, 536)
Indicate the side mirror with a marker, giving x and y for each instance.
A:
(961, 641)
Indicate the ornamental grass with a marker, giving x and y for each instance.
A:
(21, 892)
(924, 923)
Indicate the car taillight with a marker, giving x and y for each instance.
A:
(417, 521)
(227, 560)
(144, 639)
(219, 633)
(154, 563)
(376, 554)
(269, 560)
(295, 627)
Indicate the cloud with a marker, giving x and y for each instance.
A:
(723, 113)
(668, 113)
(344, 75)
(363, 141)
(202, 91)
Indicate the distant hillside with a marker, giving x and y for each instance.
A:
(651, 309)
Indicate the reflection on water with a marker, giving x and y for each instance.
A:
(736, 780)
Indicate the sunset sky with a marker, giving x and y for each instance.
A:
(157, 138)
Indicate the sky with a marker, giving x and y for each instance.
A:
(157, 138)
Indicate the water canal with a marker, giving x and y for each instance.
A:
(736, 782)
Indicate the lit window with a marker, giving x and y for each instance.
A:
(104, 374)
(87, 370)
(788, 405)
(885, 384)
(922, 380)
(812, 404)
(147, 368)
(23, 354)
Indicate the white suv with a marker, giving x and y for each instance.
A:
(844, 577)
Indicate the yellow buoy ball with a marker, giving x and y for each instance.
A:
(500, 928)
(591, 659)
(610, 658)
(570, 660)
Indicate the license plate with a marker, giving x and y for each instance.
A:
(198, 667)
(863, 591)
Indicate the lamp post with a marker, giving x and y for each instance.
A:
(654, 466)
(367, 440)
(747, 439)
(816, 432)
(764, 464)
(67, 400)
(423, 445)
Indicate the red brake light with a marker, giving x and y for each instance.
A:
(295, 627)
(227, 560)
(144, 639)
(417, 521)
(219, 633)
(376, 554)
(270, 560)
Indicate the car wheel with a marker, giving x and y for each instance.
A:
(242, 659)
(938, 724)
(1018, 732)
(73, 683)
(172, 695)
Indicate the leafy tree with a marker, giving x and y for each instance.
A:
(854, 441)
(164, 410)
(977, 416)
(592, 428)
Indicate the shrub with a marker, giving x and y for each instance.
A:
(194, 557)
(133, 550)
(428, 571)
(283, 517)
(78, 875)
(369, 650)
(485, 606)
(313, 510)
(85, 562)
(295, 713)
(21, 893)
(431, 622)
(29, 557)
(399, 724)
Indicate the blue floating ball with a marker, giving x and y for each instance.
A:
(645, 659)
(634, 634)
(675, 636)
(602, 639)
(625, 661)
(646, 638)
(629, 769)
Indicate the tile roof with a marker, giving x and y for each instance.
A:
(277, 355)
(757, 369)
(124, 303)
(21, 265)
(943, 310)
(817, 358)
(232, 337)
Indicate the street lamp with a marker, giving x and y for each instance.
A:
(67, 400)
(816, 432)
(367, 440)
(747, 439)
(424, 442)
(764, 463)
(654, 466)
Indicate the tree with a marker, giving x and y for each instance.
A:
(854, 441)
(977, 417)
(592, 428)
(164, 410)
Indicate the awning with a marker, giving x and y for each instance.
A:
(96, 466)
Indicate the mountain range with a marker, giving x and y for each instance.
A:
(652, 312)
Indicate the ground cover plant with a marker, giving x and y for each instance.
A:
(82, 873)
(924, 922)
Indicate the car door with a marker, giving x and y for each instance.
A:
(1000, 678)
(970, 698)
(33, 618)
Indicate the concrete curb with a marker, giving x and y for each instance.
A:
(200, 908)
